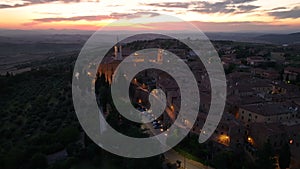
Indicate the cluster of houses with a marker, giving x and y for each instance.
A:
(261, 106)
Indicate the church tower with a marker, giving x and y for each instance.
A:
(160, 55)
(118, 51)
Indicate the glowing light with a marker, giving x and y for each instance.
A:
(172, 107)
(250, 140)
(291, 141)
(224, 139)
(140, 101)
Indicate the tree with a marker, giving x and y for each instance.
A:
(68, 135)
(266, 158)
(7, 74)
(154, 162)
(14, 158)
(74, 149)
(230, 68)
(284, 157)
(38, 161)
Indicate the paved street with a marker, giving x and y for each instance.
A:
(173, 156)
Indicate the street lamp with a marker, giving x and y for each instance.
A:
(172, 107)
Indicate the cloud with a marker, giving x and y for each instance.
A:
(247, 8)
(2, 6)
(133, 15)
(75, 18)
(34, 2)
(218, 7)
(239, 1)
(278, 8)
(293, 13)
(97, 17)
(171, 4)
(226, 6)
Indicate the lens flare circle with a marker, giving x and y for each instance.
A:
(92, 119)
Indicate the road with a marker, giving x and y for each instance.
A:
(173, 156)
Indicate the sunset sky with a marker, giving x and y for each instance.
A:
(212, 15)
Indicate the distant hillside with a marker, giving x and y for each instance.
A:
(280, 38)
(240, 37)
(80, 36)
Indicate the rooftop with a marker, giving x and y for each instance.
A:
(267, 129)
(269, 109)
(242, 100)
(292, 69)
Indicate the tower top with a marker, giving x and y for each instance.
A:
(118, 50)
(160, 55)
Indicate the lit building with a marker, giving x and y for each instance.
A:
(267, 112)
(229, 133)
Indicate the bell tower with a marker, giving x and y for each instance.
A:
(118, 50)
(160, 54)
